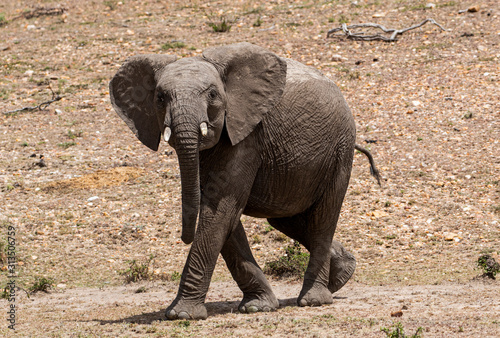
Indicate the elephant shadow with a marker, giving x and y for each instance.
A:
(213, 308)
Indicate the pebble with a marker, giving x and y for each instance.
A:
(336, 57)
(93, 198)
(29, 73)
(430, 5)
(450, 236)
(61, 286)
(58, 111)
(31, 27)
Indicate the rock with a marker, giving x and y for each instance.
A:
(336, 57)
(449, 236)
(473, 9)
(93, 198)
(378, 15)
(61, 286)
(379, 213)
(29, 73)
(416, 103)
(31, 27)
(58, 111)
(430, 5)
(397, 314)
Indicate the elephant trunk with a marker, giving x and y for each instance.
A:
(187, 148)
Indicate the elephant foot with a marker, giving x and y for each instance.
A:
(258, 304)
(186, 311)
(342, 266)
(315, 296)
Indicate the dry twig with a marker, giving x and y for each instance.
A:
(42, 11)
(41, 106)
(362, 36)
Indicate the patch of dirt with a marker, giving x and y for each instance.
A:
(96, 180)
(426, 106)
(358, 310)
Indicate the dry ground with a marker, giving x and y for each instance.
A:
(429, 103)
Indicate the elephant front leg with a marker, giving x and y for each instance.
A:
(257, 293)
(193, 288)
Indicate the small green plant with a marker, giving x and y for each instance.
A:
(343, 19)
(468, 115)
(4, 294)
(24, 144)
(258, 22)
(173, 45)
(268, 229)
(41, 284)
(72, 134)
(142, 289)
(3, 20)
(175, 276)
(66, 145)
(184, 323)
(397, 331)
(138, 270)
(111, 5)
(257, 239)
(280, 237)
(447, 4)
(292, 264)
(221, 25)
(489, 266)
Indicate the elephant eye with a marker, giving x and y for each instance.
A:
(212, 94)
(160, 96)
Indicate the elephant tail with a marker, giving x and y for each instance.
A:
(373, 170)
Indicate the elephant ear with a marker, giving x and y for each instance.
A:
(254, 79)
(132, 91)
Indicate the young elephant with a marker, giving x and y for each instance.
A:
(255, 134)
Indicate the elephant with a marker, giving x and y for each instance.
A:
(255, 134)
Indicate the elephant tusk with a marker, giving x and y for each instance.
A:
(166, 134)
(204, 129)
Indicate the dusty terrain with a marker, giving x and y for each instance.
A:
(428, 104)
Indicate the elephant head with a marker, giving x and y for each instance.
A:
(191, 100)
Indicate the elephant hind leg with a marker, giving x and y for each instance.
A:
(257, 293)
(342, 266)
(342, 262)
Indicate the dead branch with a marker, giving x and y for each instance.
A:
(362, 36)
(41, 106)
(41, 11)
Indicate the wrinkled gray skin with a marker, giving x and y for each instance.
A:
(279, 145)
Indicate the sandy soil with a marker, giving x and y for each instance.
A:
(468, 310)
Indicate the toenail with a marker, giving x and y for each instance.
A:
(252, 309)
(183, 315)
(171, 314)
